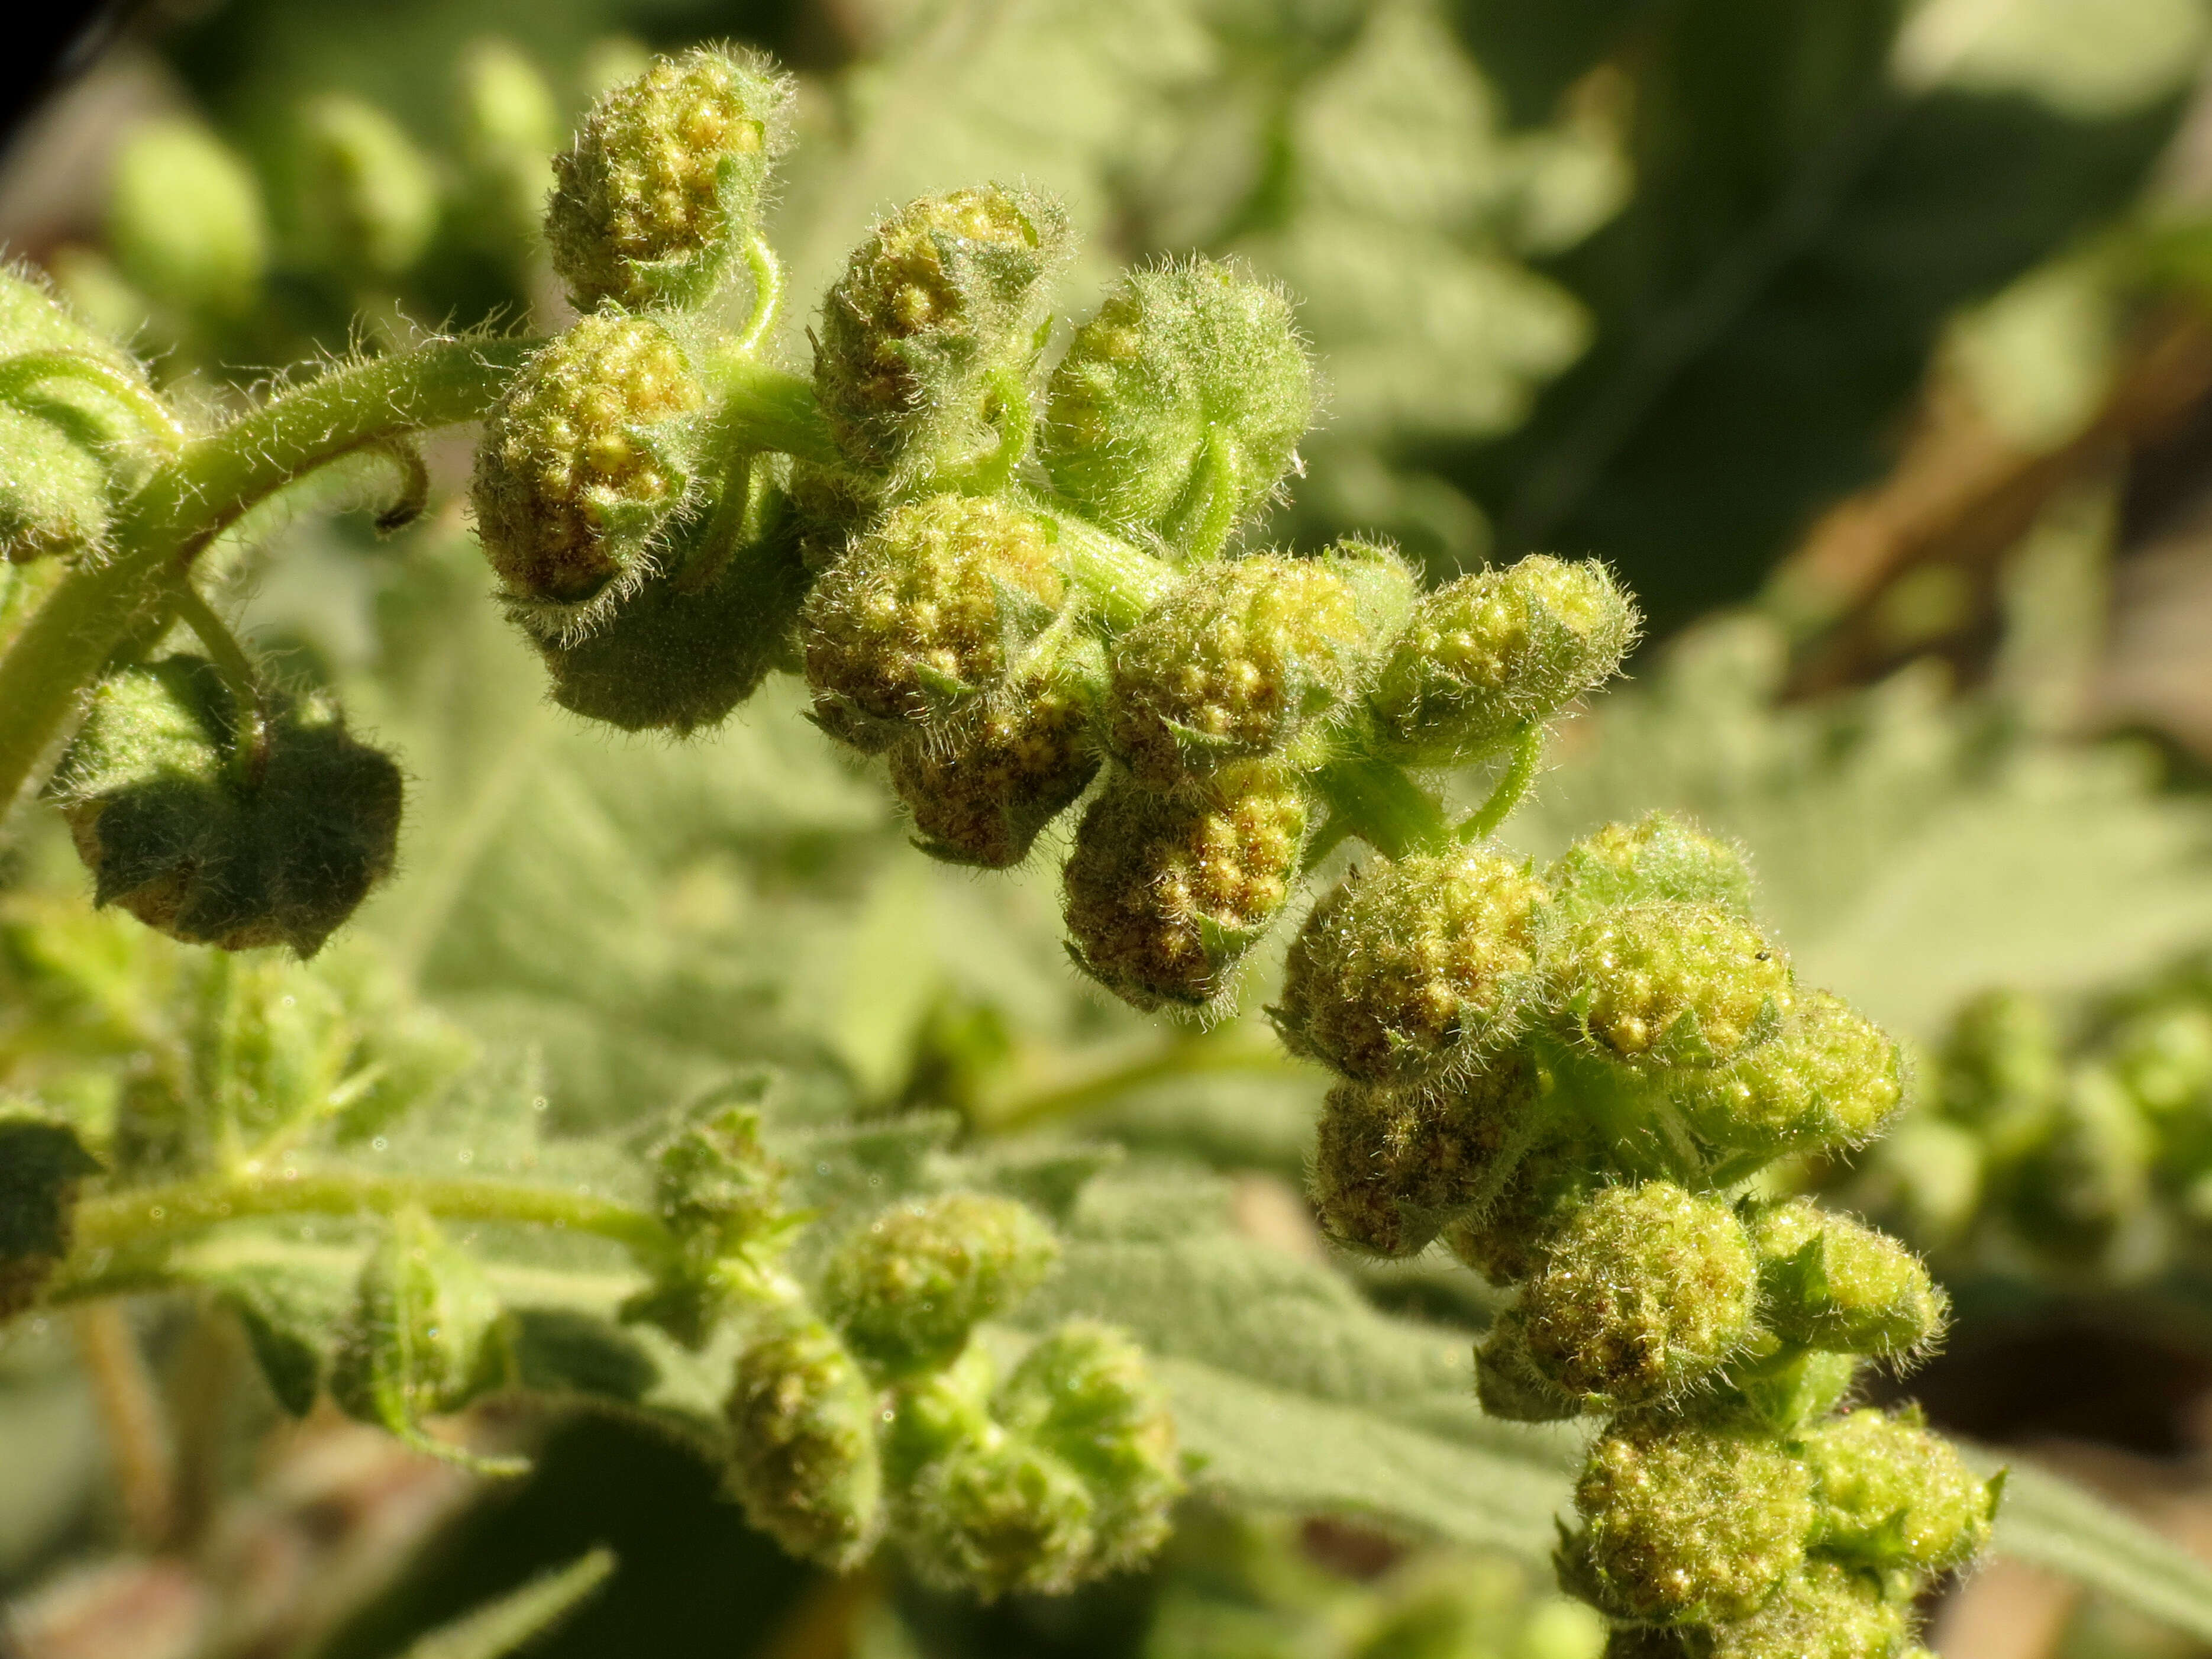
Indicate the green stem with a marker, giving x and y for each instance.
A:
(1520, 773)
(767, 408)
(1378, 802)
(249, 753)
(27, 368)
(767, 295)
(1192, 1057)
(1212, 533)
(210, 485)
(1122, 581)
(148, 1215)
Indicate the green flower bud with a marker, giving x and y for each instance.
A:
(1688, 1525)
(1824, 1610)
(679, 655)
(1415, 965)
(928, 339)
(425, 1333)
(1830, 1282)
(1085, 1395)
(510, 125)
(586, 462)
(2078, 1194)
(276, 846)
(665, 183)
(907, 1290)
(2164, 1057)
(928, 613)
(1179, 407)
(41, 1167)
(67, 444)
(1392, 1169)
(804, 1460)
(1668, 985)
(2004, 1070)
(718, 1194)
(1779, 1387)
(1513, 1238)
(997, 1514)
(185, 220)
(1240, 657)
(1491, 651)
(364, 200)
(1659, 859)
(984, 787)
(1891, 1494)
(1508, 1385)
(1165, 893)
(1829, 1077)
(1648, 1289)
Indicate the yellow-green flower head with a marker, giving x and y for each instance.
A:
(983, 788)
(1829, 1077)
(804, 1460)
(1235, 659)
(424, 1335)
(906, 1289)
(2003, 1068)
(1179, 407)
(2164, 1056)
(1085, 1395)
(1392, 1168)
(1831, 1282)
(1653, 985)
(278, 846)
(1512, 1237)
(1686, 1525)
(999, 1515)
(1413, 964)
(927, 340)
(1488, 652)
(928, 613)
(1660, 858)
(68, 446)
(585, 462)
(1891, 1494)
(1165, 893)
(664, 184)
(1824, 1610)
(1648, 1289)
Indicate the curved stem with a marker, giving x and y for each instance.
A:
(1212, 533)
(414, 497)
(1121, 579)
(28, 367)
(148, 1215)
(767, 295)
(1520, 773)
(1376, 801)
(249, 754)
(763, 407)
(208, 487)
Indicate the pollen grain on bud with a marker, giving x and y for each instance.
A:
(1165, 894)
(664, 184)
(583, 465)
(1178, 408)
(1484, 653)
(1239, 656)
(1416, 964)
(926, 614)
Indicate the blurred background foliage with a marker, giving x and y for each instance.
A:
(1871, 340)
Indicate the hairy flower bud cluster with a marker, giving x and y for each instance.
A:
(223, 826)
(1178, 408)
(664, 184)
(878, 1413)
(1567, 1076)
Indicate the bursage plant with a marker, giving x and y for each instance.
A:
(1023, 584)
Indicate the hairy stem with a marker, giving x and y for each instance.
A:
(208, 487)
(27, 368)
(1122, 581)
(1512, 785)
(249, 755)
(1376, 801)
(129, 1409)
(765, 408)
(149, 1214)
(767, 294)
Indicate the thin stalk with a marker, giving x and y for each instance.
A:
(1192, 1057)
(157, 419)
(767, 295)
(129, 1409)
(1121, 579)
(210, 485)
(1212, 533)
(763, 407)
(249, 753)
(1512, 785)
(149, 1214)
(1376, 801)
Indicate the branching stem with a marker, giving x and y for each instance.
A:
(27, 368)
(1512, 785)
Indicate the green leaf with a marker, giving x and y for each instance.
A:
(289, 1310)
(520, 1616)
(2047, 1521)
(40, 1165)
